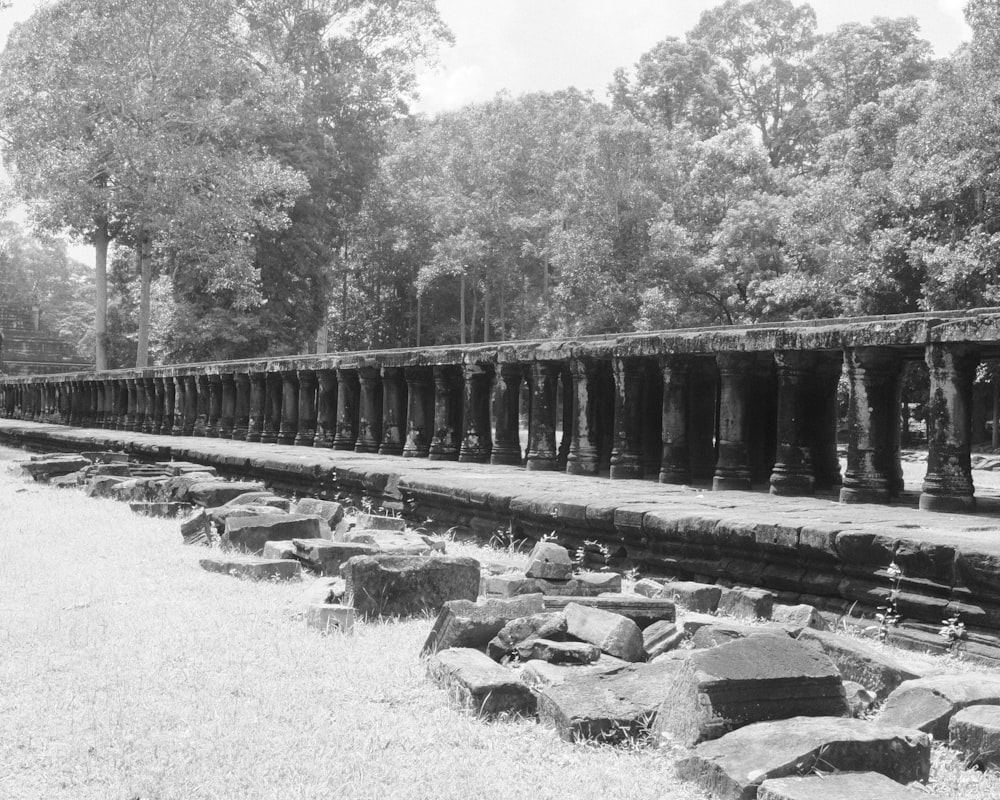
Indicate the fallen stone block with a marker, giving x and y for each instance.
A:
(758, 678)
(160, 509)
(838, 786)
(138, 490)
(598, 583)
(643, 611)
(251, 568)
(328, 617)
(616, 635)
(796, 618)
(559, 652)
(105, 456)
(734, 766)
(325, 591)
(647, 587)
(199, 530)
(701, 597)
(518, 632)
(260, 499)
(121, 469)
(539, 674)
(52, 466)
(609, 707)
(186, 468)
(975, 733)
(212, 493)
(177, 487)
(249, 534)
(380, 522)
(511, 584)
(859, 699)
(70, 481)
(871, 666)
(476, 682)
(463, 623)
(102, 485)
(550, 561)
(746, 603)
(390, 542)
(388, 586)
(219, 515)
(325, 556)
(279, 549)
(928, 704)
(661, 637)
(327, 510)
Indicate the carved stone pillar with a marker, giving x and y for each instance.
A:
(203, 399)
(227, 404)
(307, 408)
(158, 393)
(584, 448)
(824, 420)
(180, 404)
(393, 411)
(347, 409)
(793, 464)
(149, 406)
(541, 453)
(507, 444)
(289, 425)
(948, 482)
(447, 414)
(212, 427)
(169, 407)
(257, 414)
(419, 411)
(369, 410)
(873, 375)
(132, 409)
(732, 468)
(326, 407)
(241, 406)
(626, 454)
(675, 461)
(477, 441)
(272, 408)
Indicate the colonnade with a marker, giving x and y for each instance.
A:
(738, 418)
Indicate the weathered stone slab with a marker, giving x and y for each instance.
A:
(105, 456)
(45, 468)
(643, 611)
(325, 556)
(746, 603)
(661, 637)
(214, 493)
(264, 498)
(550, 561)
(734, 766)
(478, 683)
(616, 635)
(975, 733)
(70, 481)
(859, 699)
(559, 652)
(758, 678)
(160, 509)
(325, 591)
(868, 664)
(387, 586)
(701, 597)
(586, 584)
(176, 488)
(251, 568)
(518, 632)
(797, 617)
(597, 583)
(838, 786)
(185, 468)
(647, 587)
(463, 623)
(219, 515)
(121, 469)
(610, 707)
(198, 529)
(330, 617)
(928, 704)
(102, 485)
(327, 510)
(539, 674)
(250, 533)
(380, 522)
(390, 542)
(279, 549)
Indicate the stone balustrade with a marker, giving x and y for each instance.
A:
(741, 406)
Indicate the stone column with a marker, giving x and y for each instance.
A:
(149, 409)
(169, 407)
(180, 404)
(626, 453)
(190, 405)
(948, 482)
(306, 434)
(227, 404)
(477, 441)
(120, 404)
(507, 444)
(584, 448)
(824, 419)
(542, 453)
(675, 461)
(347, 409)
(703, 418)
(369, 410)
(326, 408)
(241, 406)
(732, 468)
(272, 408)
(258, 398)
(289, 425)
(158, 394)
(393, 412)
(214, 405)
(132, 409)
(651, 417)
(419, 411)
(872, 417)
(447, 414)
(793, 459)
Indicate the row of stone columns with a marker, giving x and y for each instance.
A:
(739, 418)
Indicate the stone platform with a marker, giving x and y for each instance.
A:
(806, 549)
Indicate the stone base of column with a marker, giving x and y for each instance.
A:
(501, 456)
(443, 456)
(286, 438)
(211, 433)
(676, 477)
(391, 450)
(541, 464)
(625, 471)
(588, 467)
(343, 445)
(305, 438)
(365, 447)
(864, 495)
(791, 484)
(730, 483)
(951, 503)
(323, 440)
(472, 457)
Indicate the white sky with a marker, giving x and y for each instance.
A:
(544, 45)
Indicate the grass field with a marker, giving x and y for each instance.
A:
(128, 672)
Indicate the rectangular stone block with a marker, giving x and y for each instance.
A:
(616, 635)
(380, 522)
(248, 534)
(327, 510)
(330, 617)
(643, 611)
(476, 682)
(464, 623)
(391, 586)
(326, 557)
(745, 602)
(700, 597)
(838, 786)
(251, 568)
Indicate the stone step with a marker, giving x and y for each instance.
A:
(252, 568)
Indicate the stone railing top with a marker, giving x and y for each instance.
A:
(907, 332)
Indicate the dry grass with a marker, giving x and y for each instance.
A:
(128, 672)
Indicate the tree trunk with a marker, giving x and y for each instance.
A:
(142, 256)
(995, 441)
(323, 335)
(101, 292)
(475, 313)
(503, 320)
(420, 302)
(486, 314)
(461, 310)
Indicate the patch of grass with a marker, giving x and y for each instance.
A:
(126, 671)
